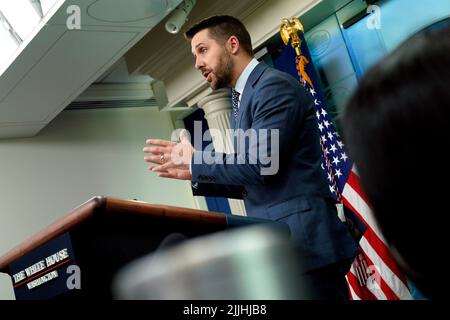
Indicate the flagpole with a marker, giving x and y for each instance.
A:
(289, 33)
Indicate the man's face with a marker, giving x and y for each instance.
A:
(212, 59)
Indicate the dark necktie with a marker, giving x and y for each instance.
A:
(235, 102)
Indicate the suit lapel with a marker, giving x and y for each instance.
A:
(248, 92)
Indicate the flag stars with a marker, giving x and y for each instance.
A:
(344, 156)
(321, 126)
(326, 123)
(318, 115)
(324, 113)
(312, 91)
(323, 138)
(330, 136)
(316, 102)
(336, 161)
(329, 177)
(332, 189)
(340, 144)
(333, 148)
(338, 173)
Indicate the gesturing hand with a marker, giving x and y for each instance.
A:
(172, 158)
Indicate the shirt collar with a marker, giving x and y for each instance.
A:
(242, 80)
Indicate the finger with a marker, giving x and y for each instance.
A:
(155, 159)
(165, 167)
(160, 142)
(156, 150)
(166, 175)
(152, 167)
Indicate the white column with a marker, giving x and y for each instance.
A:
(217, 108)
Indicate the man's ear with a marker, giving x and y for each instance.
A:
(233, 45)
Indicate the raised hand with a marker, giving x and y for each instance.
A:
(172, 159)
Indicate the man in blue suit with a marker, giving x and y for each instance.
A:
(292, 188)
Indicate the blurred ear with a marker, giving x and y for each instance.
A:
(233, 45)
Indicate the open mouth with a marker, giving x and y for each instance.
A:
(206, 74)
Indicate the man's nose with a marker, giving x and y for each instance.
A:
(199, 63)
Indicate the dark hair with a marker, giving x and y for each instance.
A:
(221, 28)
(396, 126)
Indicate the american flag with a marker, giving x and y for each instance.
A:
(374, 275)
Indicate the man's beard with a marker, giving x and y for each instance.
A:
(223, 73)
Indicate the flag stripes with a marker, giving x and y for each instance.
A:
(373, 244)
(373, 235)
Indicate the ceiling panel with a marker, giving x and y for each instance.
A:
(54, 67)
(38, 99)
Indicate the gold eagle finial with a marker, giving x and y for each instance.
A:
(288, 32)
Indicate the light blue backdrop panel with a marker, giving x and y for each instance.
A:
(341, 56)
(399, 19)
(332, 62)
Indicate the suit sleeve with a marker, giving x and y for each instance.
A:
(279, 106)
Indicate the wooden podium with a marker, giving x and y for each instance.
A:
(90, 244)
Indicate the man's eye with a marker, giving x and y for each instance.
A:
(202, 50)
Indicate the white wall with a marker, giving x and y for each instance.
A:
(81, 154)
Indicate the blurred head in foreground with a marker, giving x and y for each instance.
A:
(246, 263)
(396, 126)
